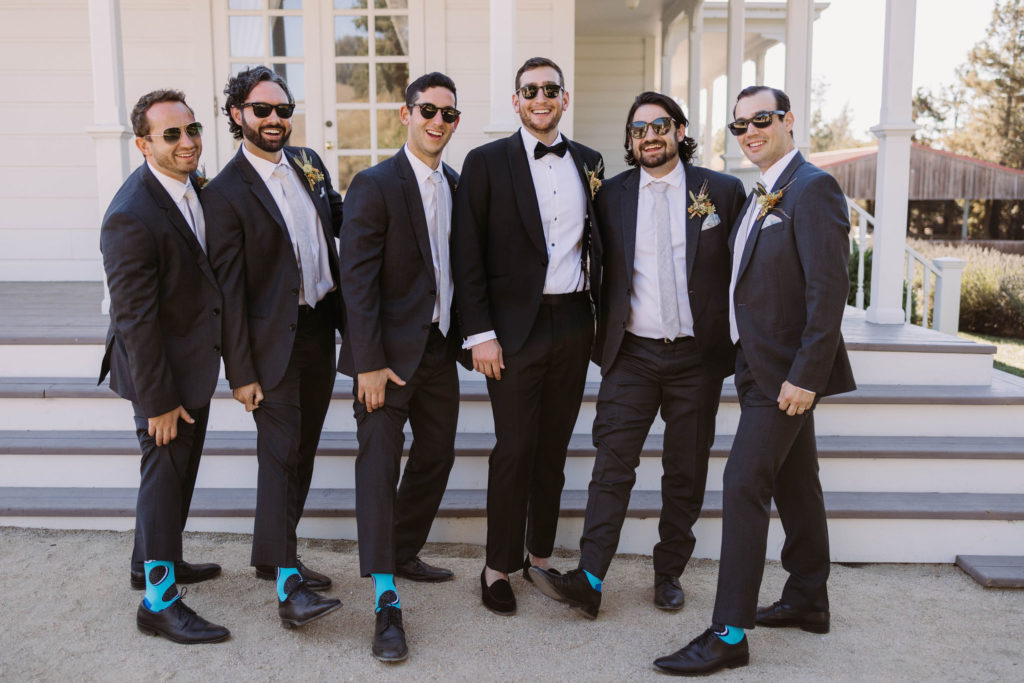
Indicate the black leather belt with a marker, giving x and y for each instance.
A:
(556, 299)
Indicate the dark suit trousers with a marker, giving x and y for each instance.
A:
(168, 477)
(535, 407)
(393, 528)
(773, 455)
(288, 426)
(649, 375)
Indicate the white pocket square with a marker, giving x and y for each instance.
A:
(710, 222)
(323, 191)
(770, 221)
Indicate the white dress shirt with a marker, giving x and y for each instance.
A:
(644, 302)
(177, 189)
(265, 170)
(422, 172)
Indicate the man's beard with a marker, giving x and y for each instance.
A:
(661, 157)
(529, 124)
(254, 136)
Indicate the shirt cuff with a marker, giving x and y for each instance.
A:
(475, 339)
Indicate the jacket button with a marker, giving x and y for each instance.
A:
(426, 326)
(216, 311)
(217, 349)
(623, 325)
(292, 327)
(295, 291)
(629, 292)
(433, 292)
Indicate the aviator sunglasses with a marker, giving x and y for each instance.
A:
(761, 119)
(638, 129)
(262, 109)
(428, 111)
(172, 135)
(530, 91)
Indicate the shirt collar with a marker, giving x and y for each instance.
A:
(419, 168)
(174, 187)
(264, 168)
(769, 177)
(530, 142)
(673, 178)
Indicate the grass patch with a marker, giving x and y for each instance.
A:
(1009, 355)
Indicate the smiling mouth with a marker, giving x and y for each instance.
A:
(756, 145)
(437, 135)
(652, 146)
(272, 131)
(186, 155)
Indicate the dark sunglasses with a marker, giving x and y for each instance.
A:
(530, 91)
(761, 119)
(428, 111)
(262, 109)
(638, 129)
(172, 135)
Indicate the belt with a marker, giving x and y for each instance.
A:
(571, 297)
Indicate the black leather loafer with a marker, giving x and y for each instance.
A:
(303, 606)
(184, 572)
(418, 570)
(668, 594)
(704, 654)
(779, 614)
(389, 634)
(315, 581)
(498, 597)
(572, 588)
(527, 566)
(179, 623)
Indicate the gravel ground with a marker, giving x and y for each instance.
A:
(68, 614)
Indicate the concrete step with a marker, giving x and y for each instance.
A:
(98, 458)
(864, 527)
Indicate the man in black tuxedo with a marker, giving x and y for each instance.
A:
(273, 219)
(662, 343)
(526, 260)
(400, 344)
(163, 349)
(787, 295)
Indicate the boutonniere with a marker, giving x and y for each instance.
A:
(201, 178)
(767, 200)
(313, 174)
(700, 205)
(593, 181)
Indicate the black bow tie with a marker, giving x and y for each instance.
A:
(541, 149)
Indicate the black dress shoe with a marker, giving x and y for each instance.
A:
(183, 573)
(315, 581)
(389, 635)
(179, 623)
(781, 614)
(705, 654)
(527, 566)
(498, 597)
(418, 570)
(303, 606)
(572, 588)
(668, 594)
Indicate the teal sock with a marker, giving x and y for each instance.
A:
(382, 583)
(731, 635)
(595, 582)
(283, 586)
(161, 592)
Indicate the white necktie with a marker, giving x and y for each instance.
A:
(667, 296)
(304, 233)
(737, 255)
(195, 214)
(439, 242)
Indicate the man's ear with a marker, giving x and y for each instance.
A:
(236, 115)
(143, 145)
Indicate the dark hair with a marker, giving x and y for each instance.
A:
(687, 148)
(140, 124)
(781, 98)
(537, 63)
(239, 87)
(434, 79)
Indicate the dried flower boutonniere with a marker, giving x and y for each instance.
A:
(201, 178)
(593, 179)
(767, 200)
(701, 205)
(313, 174)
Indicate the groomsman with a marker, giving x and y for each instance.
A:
(787, 295)
(526, 258)
(662, 343)
(273, 218)
(400, 344)
(163, 350)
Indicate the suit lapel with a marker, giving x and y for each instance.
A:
(524, 190)
(318, 193)
(177, 220)
(259, 188)
(755, 230)
(627, 219)
(694, 179)
(414, 207)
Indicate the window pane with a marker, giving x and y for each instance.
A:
(245, 4)
(392, 34)
(392, 80)
(349, 4)
(353, 82)
(351, 37)
(239, 68)
(348, 167)
(390, 131)
(246, 36)
(298, 137)
(295, 76)
(286, 36)
(285, 4)
(354, 129)
(391, 4)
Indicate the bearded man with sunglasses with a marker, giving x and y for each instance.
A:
(273, 218)
(662, 343)
(787, 295)
(163, 350)
(526, 260)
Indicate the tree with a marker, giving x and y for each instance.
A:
(835, 133)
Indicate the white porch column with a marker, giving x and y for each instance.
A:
(708, 143)
(947, 294)
(503, 67)
(108, 107)
(693, 80)
(799, 29)
(759, 68)
(893, 170)
(734, 78)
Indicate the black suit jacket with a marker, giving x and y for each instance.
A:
(708, 264)
(387, 271)
(499, 259)
(252, 254)
(163, 345)
(793, 283)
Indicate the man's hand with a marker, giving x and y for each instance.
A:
(250, 395)
(487, 358)
(164, 428)
(372, 386)
(795, 400)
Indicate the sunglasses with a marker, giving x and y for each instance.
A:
(638, 129)
(530, 91)
(428, 111)
(761, 119)
(172, 135)
(262, 109)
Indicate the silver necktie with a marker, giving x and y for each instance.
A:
(304, 233)
(195, 213)
(667, 296)
(439, 237)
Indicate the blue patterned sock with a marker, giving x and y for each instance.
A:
(383, 583)
(283, 585)
(161, 591)
(595, 582)
(731, 635)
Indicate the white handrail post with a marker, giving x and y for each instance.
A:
(947, 294)
(862, 247)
